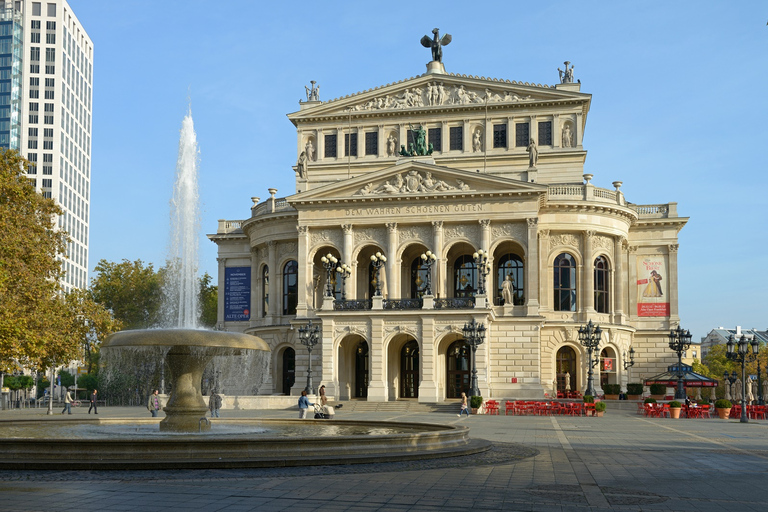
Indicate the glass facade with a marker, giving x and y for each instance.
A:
(11, 50)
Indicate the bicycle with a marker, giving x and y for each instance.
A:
(76, 403)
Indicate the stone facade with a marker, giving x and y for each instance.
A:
(539, 220)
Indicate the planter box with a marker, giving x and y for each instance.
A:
(723, 413)
(474, 410)
(634, 397)
(658, 397)
(611, 397)
(599, 414)
(674, 412)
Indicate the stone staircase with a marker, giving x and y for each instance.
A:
(399, 406)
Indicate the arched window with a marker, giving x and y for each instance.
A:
(264, 290)
(418, 278)
(464, 276)
(565, 283)
(290, 287)
(602, 274)
(361, 370)
(511, 265)
(459, 369)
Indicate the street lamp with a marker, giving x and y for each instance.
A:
(739, 352)
(679, 341)
(329, 262)
(481, 261)
(428, 258)
(474, 333)
(378, 260)
(309, 338)
(344, 272)
(589, 336)
(629, 363)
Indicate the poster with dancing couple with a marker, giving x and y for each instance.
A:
(652, 294)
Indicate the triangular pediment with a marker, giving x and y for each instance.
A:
(435, 92)
(416, 178)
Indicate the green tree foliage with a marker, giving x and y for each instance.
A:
(209, 299)
(34, 317)
(92, 323)
(131, 290)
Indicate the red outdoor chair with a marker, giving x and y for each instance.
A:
(510, 406)
(492, 407)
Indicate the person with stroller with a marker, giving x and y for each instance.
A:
(464, 407)
(304, 405)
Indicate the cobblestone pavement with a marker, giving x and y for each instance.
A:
(619, 462)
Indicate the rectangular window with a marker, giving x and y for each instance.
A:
(47, 132)
(49, 82)
(435, 137)
(522, 135)
(371, 143)
(32, 132)
(37, 9)
(50, 25)
(47, 157)
(33, 118)
(545, 133)
(50, 70)
(35, 23)
(49, 38)
(47, 144)
(33, 106)
(49, 107)
(50, 55)
(34, 37)
(330, 146)
(47, 183)
(47, 170)
(48, 95)
(34, 68)
(409, 139)
(47, 119)
(34, 81)
(456, 134)
(51, 10)
(350, 144)
(500, 136)
(34, 53)
(32, 144)
(34, 93)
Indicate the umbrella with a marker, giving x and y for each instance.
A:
(712, 395)
(765, 389)
(698, 393)
(750, 395)
(554, 389)
(737, 387)
(727, 389)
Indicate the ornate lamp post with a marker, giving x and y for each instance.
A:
(481, 261)
(739, 352)
(760, 397)
(428, 258)
(329, 262)
(309, 338)
(474, 333)
(344, 271)
(629, 363)
(589, 336)
(679, 341)
(378, 260)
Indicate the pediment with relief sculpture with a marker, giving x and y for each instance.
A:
(416, 178)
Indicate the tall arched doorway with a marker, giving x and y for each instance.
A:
(361, 370)
(459, 369)
(289, 370)
(566, 364)
(409, 370)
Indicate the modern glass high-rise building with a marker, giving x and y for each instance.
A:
(46, 87)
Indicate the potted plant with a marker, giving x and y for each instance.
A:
(649, 400)
(723, 408)
(674, 409)
(611, 391)
(635, 391)
(475, 402)
(589, 399)
(658, 391)
(600, 409)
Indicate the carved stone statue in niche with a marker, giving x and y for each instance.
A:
(391, 145)
(567, 136)
(533, 154)
(508, 290)
(309, 149)
(477, 141)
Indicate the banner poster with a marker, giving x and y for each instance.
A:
(652, 287)
(237, 294)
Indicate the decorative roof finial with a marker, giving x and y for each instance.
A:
(313, 94)
(566, 77)
(436, 44)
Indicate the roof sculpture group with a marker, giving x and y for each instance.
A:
(436, 44)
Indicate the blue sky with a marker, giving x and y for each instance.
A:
(679, 96)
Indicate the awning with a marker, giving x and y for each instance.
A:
(691, 379)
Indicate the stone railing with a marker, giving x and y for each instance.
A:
(272, 206)
(228, 226)
(352, 305)
(584, 193)
(655, 211)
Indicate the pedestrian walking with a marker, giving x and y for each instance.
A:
(464, 407)
(214, 404)
(304, 405)
(153, 404)
(67, 403)
(93, 403)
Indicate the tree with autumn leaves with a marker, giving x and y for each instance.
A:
(40, 326)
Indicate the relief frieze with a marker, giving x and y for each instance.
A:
(413, 182)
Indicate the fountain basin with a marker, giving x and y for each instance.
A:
(406, 441)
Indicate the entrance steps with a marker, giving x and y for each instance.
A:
(399, 406)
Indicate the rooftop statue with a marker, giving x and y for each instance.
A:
(436, 44)
(418, 146)
(313, 94)
(566, 77)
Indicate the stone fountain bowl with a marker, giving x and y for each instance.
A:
(189, 352)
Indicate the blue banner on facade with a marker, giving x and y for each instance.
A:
(237, 294)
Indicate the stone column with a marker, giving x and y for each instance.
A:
(350, 289)
(305, 276)
(428, 389)
(577, 129)
(556, 131)
(485, 234)
(273, 298)
(588, 275)
(532, 270)
(377, 386)
(256, 305)
(619, 279)
(439, 277)
(545, 282)
(393, 263)
(674, 315)
(320, 152)
(222, 286)
(466, 134)
(632, 281)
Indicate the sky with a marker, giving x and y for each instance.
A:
(678, 96)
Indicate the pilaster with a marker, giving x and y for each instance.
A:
(531, 288)
(619, 280)
(674, 315)
(545, 283)
(428, 388)
(438, 283)
(273, 297)
(377, 386)
(588, 276)
(305, 274)
(350, 288)
(393, 266)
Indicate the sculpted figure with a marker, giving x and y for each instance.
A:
(462, 96)
(301, 165)
(391, 145)
(567, 136)
(533, 154)
(507, 290)
(566, 76)
(441, 94)
(477, 141)
(432, 94)
(313, 94)
(464, 186)
(309, 149)
(436, 44)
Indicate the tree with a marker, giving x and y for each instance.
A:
(131, 290)
(34, 316)
(209, 301)
(92, 323)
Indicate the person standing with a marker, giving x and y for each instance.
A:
(464, 406)
(304, 405)
(214, 404)
(153, 404)
(93, 403)
(323, 399)
(67, 403)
